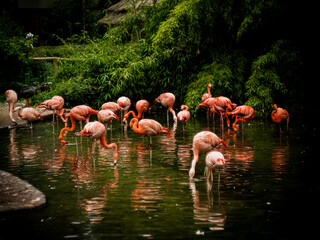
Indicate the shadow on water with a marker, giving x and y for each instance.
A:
(148, 195)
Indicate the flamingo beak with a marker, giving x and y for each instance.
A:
(115, 117)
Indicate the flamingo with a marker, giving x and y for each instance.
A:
(183, 115)
(106, 116)
(203, 141)
(243, 113)
(167, 100)
(112, 106)
(278, 115)
(208, 94)
(125, 104)
(95, 130)
(29, 114)
(147, 127)
(12, 98)
(220, 106)
(79, 113)
(142, 106)
(214, 160)
(56, 104)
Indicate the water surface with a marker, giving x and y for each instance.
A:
(265, 191)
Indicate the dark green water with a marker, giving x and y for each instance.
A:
(267, 190)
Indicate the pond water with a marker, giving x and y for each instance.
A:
(267, 189)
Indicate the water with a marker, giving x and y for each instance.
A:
(267, 189)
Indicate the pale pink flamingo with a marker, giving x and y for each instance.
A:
(243, 113)
(29, 114)
(147, 127)
(214, 160)
(12, 98)
(125, 104)
(142, 106)
(167, 100)
(203, 141)
(96, 130)
(208, 94)
(278, 115)
(78, 113)
(112, 106)
(56, 104)
(106, 116)
(183, 115)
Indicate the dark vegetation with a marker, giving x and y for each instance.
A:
(254, 52)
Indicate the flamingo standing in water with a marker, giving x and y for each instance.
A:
(167, 100)
(278, 115)
(56, 104)
(96, 130)
(125, 104)
(29, 114)
(112, 106)
(12, 98)
(214, 160)
(243, 113)
(203, 141)
(79, 113)
(142, 106)
(147, 127)
(106, 116)
(183, 115)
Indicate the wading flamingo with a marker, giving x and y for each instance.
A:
(106, 116)
(220, 106)
(214, 160)
(243, 113)
(12, 98)
(183, 115)
(56, 104)
(167, 100)
(203, 141)
(278, 115)
(78, 113)
(142, 106)
(112, 106)
(29, 114)
(125, 104)
(147, 127)
(96, 130)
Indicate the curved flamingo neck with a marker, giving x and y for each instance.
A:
(134, 126)
(133, 114)
(104, 143)
(73, 126)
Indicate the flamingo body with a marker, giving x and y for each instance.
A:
(12, 98)
(279, 114)
(167, 100)
(96, 130)
(78, 113)
(124, 103)
(242, 113)
(214, 160)
(203, 141)
(106, 116)
(142, 106)
(112, 106)
(56, 103)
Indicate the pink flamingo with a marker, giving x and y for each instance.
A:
(142, 106)
(243, 113)
(183, 115)
(125, 104)
(56, 104)
(96, 130)
(112, 106)
(29, 114)
(208, 94)
(167, 100)
(278, 115)
(79, 113)
(12, 98)
(214, 160)
(203, 141)
(106, 116)
(147, 127)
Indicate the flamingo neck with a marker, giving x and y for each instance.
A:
(104, 143)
